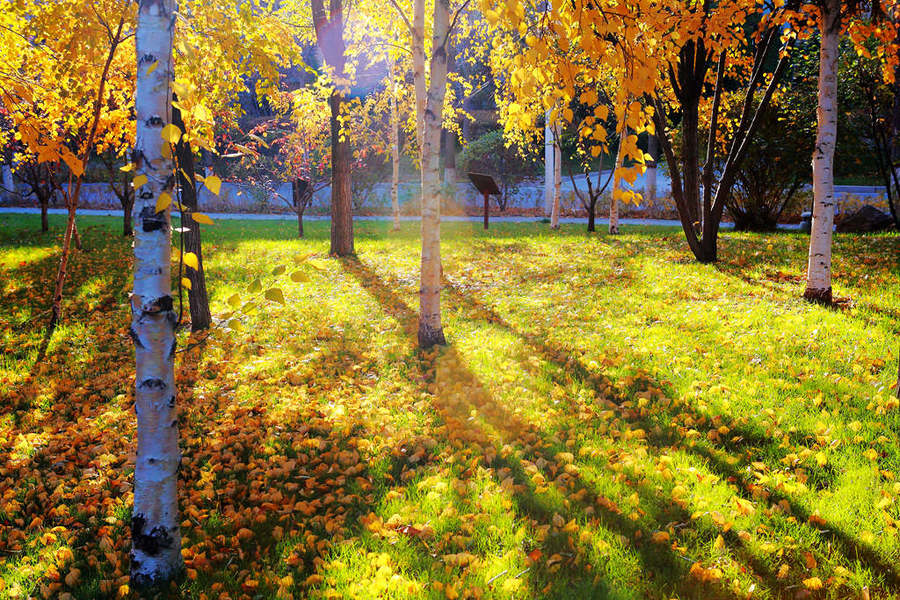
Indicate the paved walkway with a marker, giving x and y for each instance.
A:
(289, 217)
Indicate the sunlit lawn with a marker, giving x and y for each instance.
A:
(611, 420)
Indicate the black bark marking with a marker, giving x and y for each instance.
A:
(151, 220)
(163, 303)
(134, 337)
(150, 543)
(172, 402)
(155, 121)
(174, 423)
(152, 384)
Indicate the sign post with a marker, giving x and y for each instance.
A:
(486, 185)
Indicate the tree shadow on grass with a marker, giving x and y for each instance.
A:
(723, 455)
(499, 427)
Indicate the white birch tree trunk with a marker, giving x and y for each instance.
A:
(418, 62)
(430, 329)
(156, 540)
(395, 160)
(617, 187)
(8, 184)
(818, 278)
(549, 145)
(557, 180)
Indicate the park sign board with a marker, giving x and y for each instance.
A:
(487, 187)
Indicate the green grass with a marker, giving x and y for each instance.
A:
(610, 420)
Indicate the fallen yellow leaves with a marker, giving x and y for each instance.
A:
(813, 583)
(705, 575)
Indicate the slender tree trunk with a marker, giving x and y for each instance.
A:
(650, 188)
(418, 63)
(617, 186)
(549, 151)
(299, 204)
(818, 279)
(592, 227)
(557, 180)
(45, 223)
(419, 85)
(72, 197)
(127, 207)
(431, 331)
(76, 238)
(395, 159)
(156, 540)
(198, 298)
(895, 138)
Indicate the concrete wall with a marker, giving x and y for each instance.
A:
(529, 196)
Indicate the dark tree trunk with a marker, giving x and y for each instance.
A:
(198, 298)
(45, 224)
(299, 204)
(341, 205)
(691, 160)
(329, 26)
(591, 216)
(895, 145)
(127, 207)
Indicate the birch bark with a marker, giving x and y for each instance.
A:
(430, 329)
(818, 279)
(557, 180)
(156, 540)
(548, 165)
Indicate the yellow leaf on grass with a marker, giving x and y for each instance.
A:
(163, 202)
(190, 259)
(202, 218)
(744, 507)
(813, 583)
(213, 184)
(275, 295)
